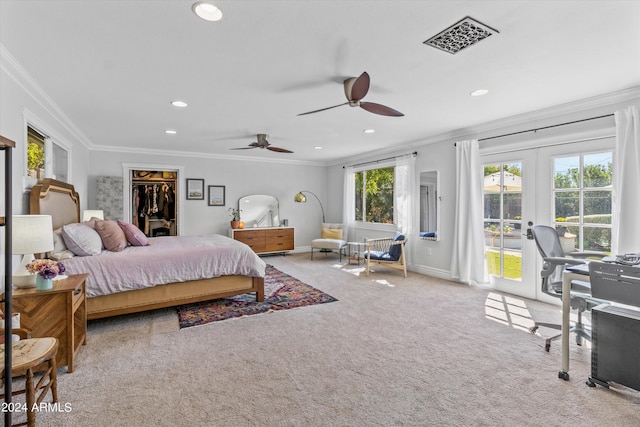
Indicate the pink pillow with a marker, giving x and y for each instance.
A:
(112, 236)
(134, 235)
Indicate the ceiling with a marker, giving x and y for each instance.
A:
(112, 67)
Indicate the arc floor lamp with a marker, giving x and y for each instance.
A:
(301, 198)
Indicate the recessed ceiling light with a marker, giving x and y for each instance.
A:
(369, 131)
(479, 92)
(170, 132)
(206, 11)
(317, 147)
(181, 104)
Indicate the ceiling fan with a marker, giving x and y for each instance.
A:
(355, 89)
(263, 143)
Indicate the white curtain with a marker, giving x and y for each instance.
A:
(406, 191)
(626, 183)
(468, 256)
(348, 202)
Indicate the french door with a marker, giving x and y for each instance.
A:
(509, 183)
(566, 186)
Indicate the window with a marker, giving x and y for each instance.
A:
(374, 195)
(503, 219)
(582, 201)
(35, 154)
(45, 157)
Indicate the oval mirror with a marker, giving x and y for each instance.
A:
(259, 210)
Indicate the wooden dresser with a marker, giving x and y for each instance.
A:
(265, 240)
(60, 313)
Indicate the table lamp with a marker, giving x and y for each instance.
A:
(88, 214)
(31, 234)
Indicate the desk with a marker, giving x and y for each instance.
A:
(567, 276)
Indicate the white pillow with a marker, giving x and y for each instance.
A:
(81, 239)
(60, 250)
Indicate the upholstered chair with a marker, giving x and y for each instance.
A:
(333, 237)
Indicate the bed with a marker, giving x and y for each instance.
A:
(61, 201)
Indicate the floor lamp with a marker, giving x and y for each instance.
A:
(301, 198)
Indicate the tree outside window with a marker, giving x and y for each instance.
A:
(583, 200)
(35, 154)
(374, 195)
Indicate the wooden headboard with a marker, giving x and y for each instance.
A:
(55, 198)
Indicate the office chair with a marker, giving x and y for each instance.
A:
(554, 261)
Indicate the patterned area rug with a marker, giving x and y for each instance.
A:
(281, 292)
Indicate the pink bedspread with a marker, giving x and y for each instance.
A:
(166, 260)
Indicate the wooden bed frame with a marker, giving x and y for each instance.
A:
(61, 201)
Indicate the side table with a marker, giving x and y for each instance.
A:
(355, 251)
(60, 312)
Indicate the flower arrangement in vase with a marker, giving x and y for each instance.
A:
(235, 217)
(45, 270)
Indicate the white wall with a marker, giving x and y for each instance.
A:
(434, 257)
(22, 102)
(240, 178)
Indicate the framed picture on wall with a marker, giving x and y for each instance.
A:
(195, 189)
(216, 195)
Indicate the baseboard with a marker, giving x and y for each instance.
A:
(430, 271)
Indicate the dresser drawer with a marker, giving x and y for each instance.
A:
(279, 239)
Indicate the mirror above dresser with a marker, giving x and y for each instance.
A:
(262, 231)
(259, 210)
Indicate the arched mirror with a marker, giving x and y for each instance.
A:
(259, 210)
(429, 205)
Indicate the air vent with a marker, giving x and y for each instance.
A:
(460, 35)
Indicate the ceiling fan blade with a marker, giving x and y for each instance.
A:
(360, 87)
(322, 109)
(380, 109)
(252, 145)
(278, 149)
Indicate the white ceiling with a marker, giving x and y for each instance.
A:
(113, 67)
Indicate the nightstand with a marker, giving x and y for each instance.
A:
(60, 312)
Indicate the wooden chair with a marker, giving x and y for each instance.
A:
(32, 355)
(388, 251)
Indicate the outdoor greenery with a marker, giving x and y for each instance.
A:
(374, 195)
(35, 156)
(512, 265)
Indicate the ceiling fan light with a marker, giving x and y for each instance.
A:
(207, 11)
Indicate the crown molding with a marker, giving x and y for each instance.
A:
(12, 68)
(193, 154)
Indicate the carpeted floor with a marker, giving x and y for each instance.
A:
(419, 351)
(281, 292)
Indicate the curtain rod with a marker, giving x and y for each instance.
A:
(542, 128)
(415, 153)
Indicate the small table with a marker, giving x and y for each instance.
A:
(355, 251)
(60, 312)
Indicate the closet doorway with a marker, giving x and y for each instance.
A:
(152, 198)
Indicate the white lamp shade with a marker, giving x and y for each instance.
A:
(88, 214)
(31, 234)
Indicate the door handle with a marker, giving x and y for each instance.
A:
(529, 232)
